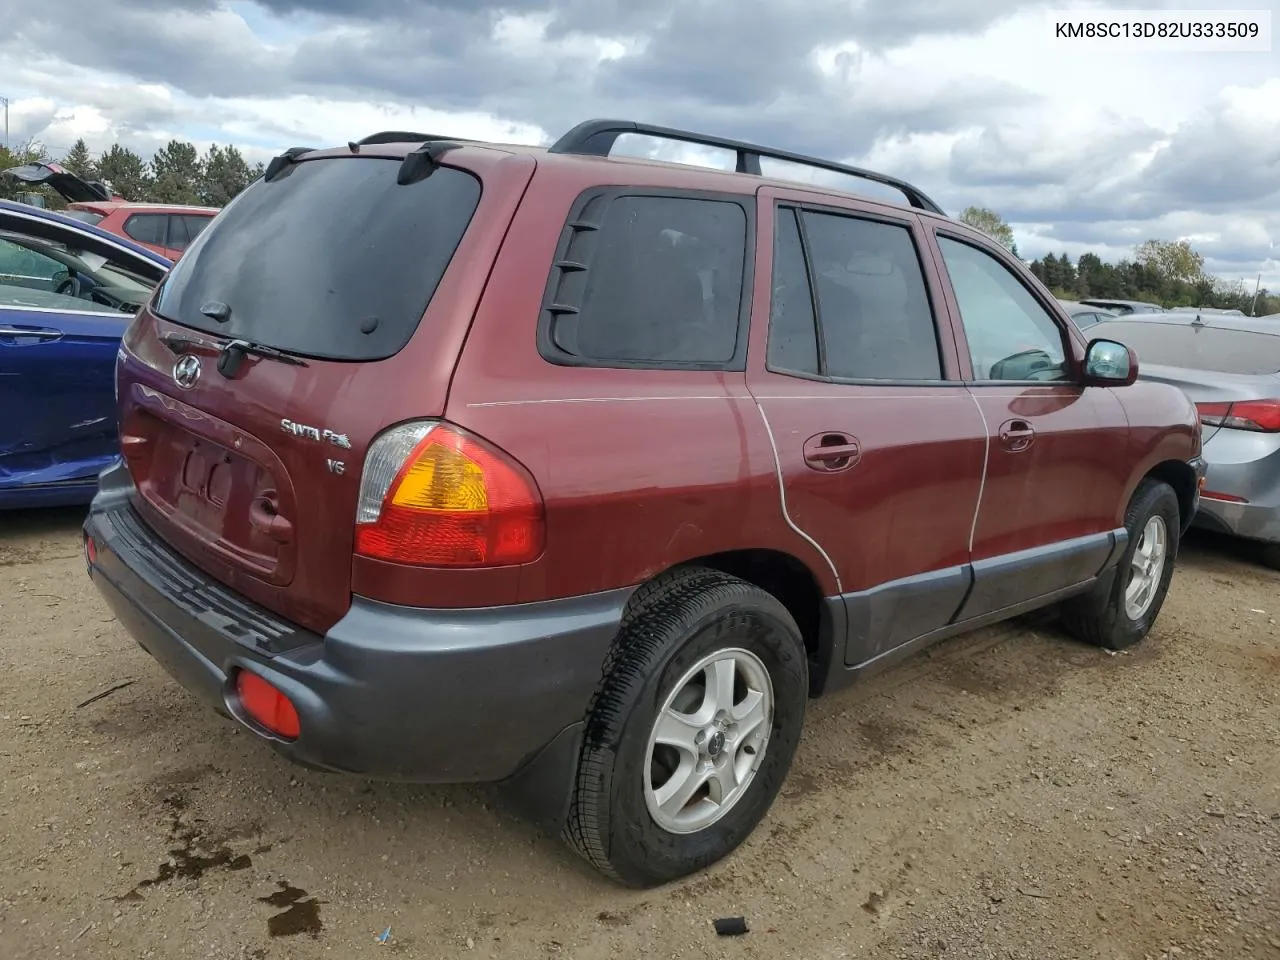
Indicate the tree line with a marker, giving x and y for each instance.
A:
(1166, 272)
(1170, 273)
(177, 173)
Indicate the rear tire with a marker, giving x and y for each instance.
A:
(723, 664)
(1119, 614)
(1270, 555)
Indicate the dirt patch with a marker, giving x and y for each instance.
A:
(1011, 794)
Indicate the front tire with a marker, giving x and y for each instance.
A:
(1118, 614)
(693, 729)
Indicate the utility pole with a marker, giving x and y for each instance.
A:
(1253, 308)
(5, 101)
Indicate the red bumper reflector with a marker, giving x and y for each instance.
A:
(267, 705)
(1225, 497)
(90, 550)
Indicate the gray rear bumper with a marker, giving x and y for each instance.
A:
(390, 692)
(1246, 465)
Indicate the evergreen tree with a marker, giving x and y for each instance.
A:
(125, 172)
(224, 174)
(176, 173)
(80, 161)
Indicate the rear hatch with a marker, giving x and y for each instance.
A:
(70, 187)
(354, 293)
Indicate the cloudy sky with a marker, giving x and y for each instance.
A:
(972, 99)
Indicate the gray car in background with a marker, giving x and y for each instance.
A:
(1230, 368)
(1124, 306)
(1084, 314)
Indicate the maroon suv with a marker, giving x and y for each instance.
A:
(448, 461)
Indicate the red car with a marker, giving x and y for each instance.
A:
(449, 461)
(165, 228)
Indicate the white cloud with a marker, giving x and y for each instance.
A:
(1094, 156)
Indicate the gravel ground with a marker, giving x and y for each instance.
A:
(1011, 794)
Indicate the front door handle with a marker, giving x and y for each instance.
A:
(832, 451)
(11, 333)
(1016, 435)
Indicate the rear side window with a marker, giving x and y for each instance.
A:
(331, 259)
(179, 239)
(649, 280)
(194, 225)
(793, 336)
(146, 228)
(1214, 349)
(873, 319)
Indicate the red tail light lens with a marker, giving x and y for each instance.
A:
(1262, 416)
(434, 495)
(267, 705)
(1212, 414)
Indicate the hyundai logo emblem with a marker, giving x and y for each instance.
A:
(186, 371)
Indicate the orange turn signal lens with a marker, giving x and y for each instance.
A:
(435, 495)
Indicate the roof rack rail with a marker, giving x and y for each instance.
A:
(595, 138)
(401, 136)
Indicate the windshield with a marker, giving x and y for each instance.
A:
(331, 259)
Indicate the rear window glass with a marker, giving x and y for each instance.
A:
(1199, 348)
(146, 228)
(84, 216)
(332, 259)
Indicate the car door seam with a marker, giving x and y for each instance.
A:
(986, 459)
(782, 500)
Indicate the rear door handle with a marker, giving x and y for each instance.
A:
(1016, 435)
(832, 451)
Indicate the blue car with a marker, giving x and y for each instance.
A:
(67, 293)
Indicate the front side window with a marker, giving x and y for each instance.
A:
(1011, 336)
(38, 273)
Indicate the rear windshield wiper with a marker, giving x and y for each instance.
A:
(231, 353)
(234, 352)
(180, 343)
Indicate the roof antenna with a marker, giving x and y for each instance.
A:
(353, 146)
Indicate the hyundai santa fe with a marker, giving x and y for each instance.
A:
(457, 461)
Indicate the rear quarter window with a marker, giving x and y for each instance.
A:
(332, 259)
(650, 280)
(146, 228)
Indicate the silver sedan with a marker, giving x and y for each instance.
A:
(1230, 368)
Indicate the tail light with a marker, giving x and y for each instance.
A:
(434, 495)
(1261, 416)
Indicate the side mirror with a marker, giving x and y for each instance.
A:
(1109, 364)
